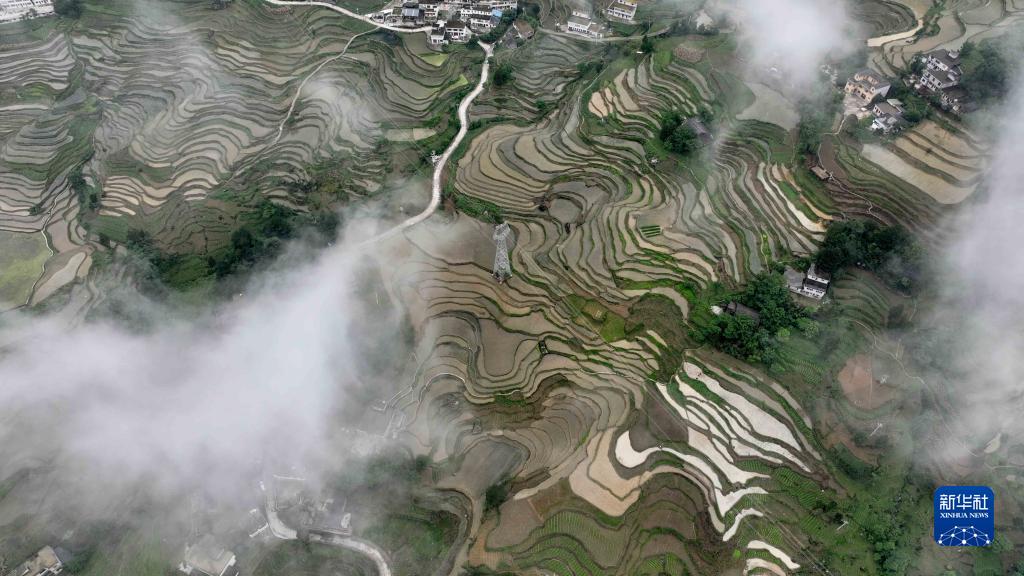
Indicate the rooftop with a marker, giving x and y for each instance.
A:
(941, 75)
(40, 564)
(813, 273)
(950, 58)
(208, 557)
(624, 6)
(524, 28)
(886, 109)
(737, 309)
(871, 78)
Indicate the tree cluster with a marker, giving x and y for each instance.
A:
(647, 44)
(68, 8)
(676, 135)
(87, 197)
(252, 244)
(496, 494)
(503, 74)
(756, 341)
(915, 108)
(986, 71)
(888, 251)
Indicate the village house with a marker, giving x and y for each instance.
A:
(821, 173)
(411, 14)
(621, 9)
(481, 17)
(580, 23)
(14, 10)
(429, 10)
(206, 558)
(736, 309)
(46, 562)
(812, 284)
(867, 86)
(956, 100)
(437, 35)
(457, 31)
(888, 116)
(941, 70)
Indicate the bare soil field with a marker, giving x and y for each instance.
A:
(688, 53)
(860, 386)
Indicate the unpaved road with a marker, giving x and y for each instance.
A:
(277, 527)
(350, 14)
(435, 183)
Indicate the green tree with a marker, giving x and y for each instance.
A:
(683, 140)
(502, 74)
(647, 44)
(889, 251)
(986, 71)
(496, 494)
(68, 8)
(676, 135)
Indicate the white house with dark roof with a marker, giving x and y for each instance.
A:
(14, 10)
(621, 9)
(888, 115)
(457, 31)
(580, 23)
(941, 69)
(437, 35)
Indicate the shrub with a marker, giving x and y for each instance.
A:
(676, 135)
(68, 8)
(503, 74)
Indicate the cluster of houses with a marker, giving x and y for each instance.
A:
(869, 89)
(452, 21)
(939, 79)
(14, 10)
(584, 24)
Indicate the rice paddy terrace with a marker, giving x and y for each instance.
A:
(626, 447)
(164, 116)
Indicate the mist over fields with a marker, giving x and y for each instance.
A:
(793, 37)
(982, 275)
(195, 401)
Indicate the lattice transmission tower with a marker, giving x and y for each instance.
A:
(502, 269)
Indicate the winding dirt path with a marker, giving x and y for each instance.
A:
(298, 92)
(435, 183)
(350, 14)
(277, 526)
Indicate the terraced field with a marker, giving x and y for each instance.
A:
(623, 456)
(948, 27)
(173, 114)
(626, 447)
